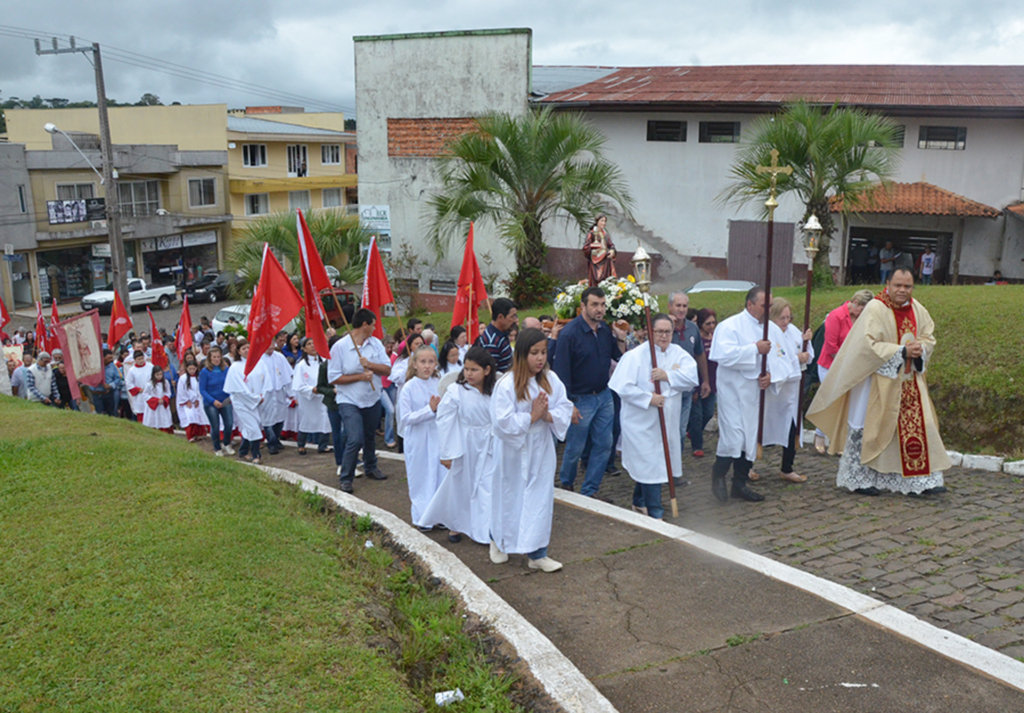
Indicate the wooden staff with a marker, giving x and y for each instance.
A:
(337, 306)
(661, 415)
(803, 374)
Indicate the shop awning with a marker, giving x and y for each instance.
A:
(277, 185)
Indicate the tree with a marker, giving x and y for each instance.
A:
(517, 172)
(836, 154)
(338, 238)
(350, 124)
(148, 99)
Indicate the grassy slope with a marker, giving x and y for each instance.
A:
(976, 377)
(138, 573)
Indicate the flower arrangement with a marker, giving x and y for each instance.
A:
(567, 301)
(625, 300)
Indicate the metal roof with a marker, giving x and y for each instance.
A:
(247, 125)
(548, 80)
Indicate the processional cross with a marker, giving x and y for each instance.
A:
(771, 204)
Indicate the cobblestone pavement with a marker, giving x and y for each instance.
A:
(955, 560)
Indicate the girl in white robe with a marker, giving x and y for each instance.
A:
(313, 423)
(246, 394)
(643, 453)
(782, 422)
(189, 400)
(156, 398)
(529, 405)
(463, 500)
(417, 425)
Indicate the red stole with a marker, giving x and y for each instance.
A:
(911, 431)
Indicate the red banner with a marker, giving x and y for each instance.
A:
(82, 346)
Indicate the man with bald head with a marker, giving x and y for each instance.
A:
(687, 336)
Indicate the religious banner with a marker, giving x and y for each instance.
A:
(82, 345)
(14, 353)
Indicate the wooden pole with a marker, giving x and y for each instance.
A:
(803, 373)
(661, 416)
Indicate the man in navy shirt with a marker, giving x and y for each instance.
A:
(688, 337)
(585, 350)
(495, 337)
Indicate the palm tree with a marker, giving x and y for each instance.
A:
(338, 238)
(518, 172)
(837, 154)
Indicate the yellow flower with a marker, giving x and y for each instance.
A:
(561, 296)
(622, 285)
(631, 278)
(640, 303)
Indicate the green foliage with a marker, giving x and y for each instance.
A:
(518, 172)
(836, 152)
(364, 523)
(530, 286)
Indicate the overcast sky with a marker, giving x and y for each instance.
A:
(305, 48)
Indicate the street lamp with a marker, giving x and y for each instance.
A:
(812, 235)
(53, 129)
(642, 271)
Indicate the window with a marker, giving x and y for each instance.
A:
(719, 132)
(332, 198)
(257, 204)
(666, 131)
(330, 154)
(254, 155)
(298, 199)
(22, 199)
(139, 198)
(201, 193)
(444, 287)
(952, 138)
(74, 191)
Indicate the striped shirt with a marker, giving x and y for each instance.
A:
(496, 342)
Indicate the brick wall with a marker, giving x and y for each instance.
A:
(351, 158)
(424, 138)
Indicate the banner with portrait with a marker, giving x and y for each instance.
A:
(82, 346)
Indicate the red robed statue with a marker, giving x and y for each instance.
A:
(600, 252)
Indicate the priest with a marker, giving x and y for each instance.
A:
(874, 403)
(738, 347)
(643, 454)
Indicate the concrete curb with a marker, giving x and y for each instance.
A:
(952, 646)
(566, 685)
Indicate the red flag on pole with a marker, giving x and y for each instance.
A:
(120, 322)
(314, 279)
(42, 343)
(159, 353)
(54, 316)
(5, 316)
(471, 293)
(183, 339)
(376, 288)
(275, 303)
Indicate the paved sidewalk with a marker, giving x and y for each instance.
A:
(659, 624)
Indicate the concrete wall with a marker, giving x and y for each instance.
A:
(438, 76)
(17, 227)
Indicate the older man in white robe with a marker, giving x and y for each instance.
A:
(643, 452)
(738, 347)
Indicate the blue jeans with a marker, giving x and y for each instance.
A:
(597, 412)
(387, 402)
(700, 413)
(214, 415)
(538, 554)
(273, 436)
(684, 421)
(360, 433)
(249, 448)
(337, 434)
(648, 495)
(104, 403)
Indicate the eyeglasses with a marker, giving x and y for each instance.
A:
(663, 332)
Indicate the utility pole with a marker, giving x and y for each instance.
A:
(113, 205)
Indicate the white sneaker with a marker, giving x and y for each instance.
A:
(219, 453)
(229, 450)
(497, 556)
(545, 564)
(339, 471)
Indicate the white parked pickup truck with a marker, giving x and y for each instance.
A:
(139, 295)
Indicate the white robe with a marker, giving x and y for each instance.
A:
(137, 377)
(523, 487)
(312, 412)
(276, 388)
(245, 398)
(643, 454)
(160, 417)
(463, 500)
(781, 405)
(739, 365)
(190, 403)
(418, 426)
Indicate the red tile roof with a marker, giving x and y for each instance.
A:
(1017, 210)
(905, 86)
(919, 199)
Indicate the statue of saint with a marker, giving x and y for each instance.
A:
(600, 252)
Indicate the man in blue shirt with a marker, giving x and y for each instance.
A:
(494, 338)
(106, 396)
(586, 348)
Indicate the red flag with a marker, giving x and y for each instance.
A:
(471, 291)
(42, 343)
(314, 279)
(376, 289)
(275, 303)
(183, 339)
(5, 316)
(159, 353)
(54, 316)
(120, 322)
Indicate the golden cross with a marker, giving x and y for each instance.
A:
(774, 169)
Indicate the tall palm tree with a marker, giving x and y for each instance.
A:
(518, 172)
(338, 238)
(836, 154)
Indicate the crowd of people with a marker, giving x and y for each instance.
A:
(478, 423)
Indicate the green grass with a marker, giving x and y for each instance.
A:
(138, 573)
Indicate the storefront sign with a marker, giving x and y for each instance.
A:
(206, 237)
(375, 217)
(95, 208)
(101, 250)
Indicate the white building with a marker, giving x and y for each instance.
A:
(674, 132)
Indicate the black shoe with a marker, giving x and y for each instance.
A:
(455, 538)
(872, 491)
(345, 487)
(424, 529)
(603, 499)
(718, 488)
(936, 491)
(375, 475)
(566, 486)
(273, 451)
(742, 492)
(682, 483)
(614, 471)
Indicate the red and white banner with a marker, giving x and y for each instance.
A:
(80, 341)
